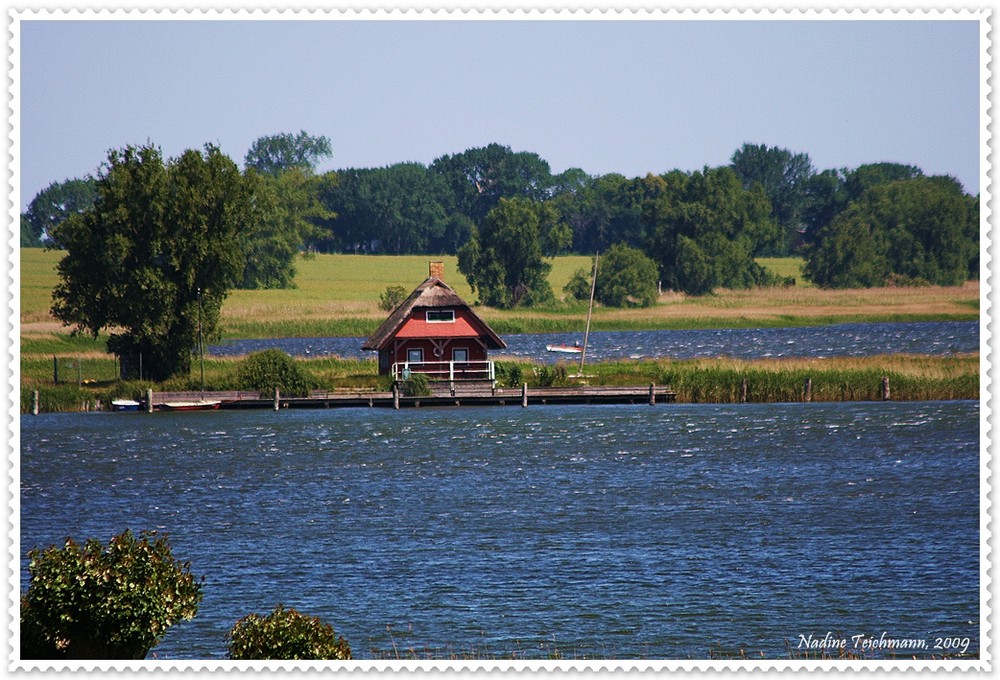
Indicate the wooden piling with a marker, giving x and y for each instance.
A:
(808, 388)
(277, 398)
(395, 396)
(652, 394)
(34, 403)
(149, 400)
(524, 395)
(885, 388)
(743, 391)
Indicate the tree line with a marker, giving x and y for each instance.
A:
(703, 229)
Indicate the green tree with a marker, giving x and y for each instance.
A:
(154, 258)
(391, 297)
(784, 177)
(480, 177)
(503, 261)
(105, 602)
(274, 154)
(292, 221)
(403, 208)
(285, 634)
(52, 205)
(626, 277)
(705, 230)
(909, 231)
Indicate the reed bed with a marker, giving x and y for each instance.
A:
(911, 378)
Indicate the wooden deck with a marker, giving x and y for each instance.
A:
(442, 395)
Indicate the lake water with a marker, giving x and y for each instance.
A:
(625, 532)
(838, 340)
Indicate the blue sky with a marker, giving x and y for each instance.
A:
(606, 96)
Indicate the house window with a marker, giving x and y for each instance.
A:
(460, 354)
(415, 356)
(440, 316)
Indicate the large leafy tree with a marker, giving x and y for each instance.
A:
(480, 177)
(504, 259)
(154, 258)
(52, 205)
(908, 231)
(784, 177)
(273, 154)
(293, 224)
(705, 230)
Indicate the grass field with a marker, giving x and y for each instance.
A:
(337, 295)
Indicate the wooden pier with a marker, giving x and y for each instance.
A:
(459, 396)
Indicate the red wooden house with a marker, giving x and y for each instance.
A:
(435, 332)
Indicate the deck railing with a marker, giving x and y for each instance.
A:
(446, 370)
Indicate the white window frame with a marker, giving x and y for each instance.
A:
(427, 315)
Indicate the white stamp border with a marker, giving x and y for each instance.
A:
(484, 11)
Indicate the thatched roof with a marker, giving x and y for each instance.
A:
(432, 293)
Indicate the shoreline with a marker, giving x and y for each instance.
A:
(692, 381)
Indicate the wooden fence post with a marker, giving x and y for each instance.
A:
(808, 390)
(885, 388)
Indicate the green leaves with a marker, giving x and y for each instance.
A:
(157, 253)
(921, 230)
(105, 602)
(285, 634)
(271, 368)
(503, 261)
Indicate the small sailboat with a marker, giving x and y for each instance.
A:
(568, 349)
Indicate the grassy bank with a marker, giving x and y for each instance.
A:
(911, 377)
(337, 295)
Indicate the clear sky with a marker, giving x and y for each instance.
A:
(606, 96)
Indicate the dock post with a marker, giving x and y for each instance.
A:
(808, 390)
(652, 394)
(524, 395)
(395, 396)
(277, 398)
(149, 400)
(34, 403)
(743, 391)
(885, 388)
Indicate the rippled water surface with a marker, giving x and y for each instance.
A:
(656, 532)
(855, 339)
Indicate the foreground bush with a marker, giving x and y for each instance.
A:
(285, 634)
(104, 602)
(264, 371)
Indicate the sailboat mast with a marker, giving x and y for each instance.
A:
(590, 311)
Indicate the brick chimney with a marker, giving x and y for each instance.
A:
(437, 270)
